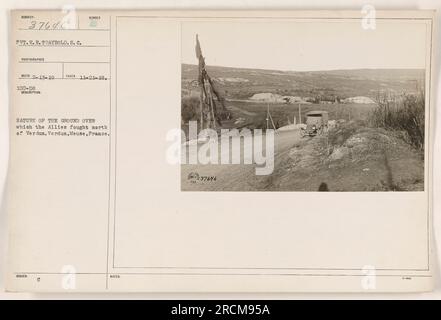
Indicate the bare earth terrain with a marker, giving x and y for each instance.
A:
(352, 156)
(349, 158)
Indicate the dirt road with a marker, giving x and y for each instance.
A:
(236, 177)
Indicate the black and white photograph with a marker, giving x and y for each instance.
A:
(228, 153)
(344, 101)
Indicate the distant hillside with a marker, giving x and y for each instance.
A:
(241, 83)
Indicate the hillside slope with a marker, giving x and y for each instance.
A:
(351, 157)
(241, 83)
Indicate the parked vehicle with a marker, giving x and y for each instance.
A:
(316, 123)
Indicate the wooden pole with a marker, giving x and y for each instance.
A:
(267, 115)
(300, 114)
(272, 121)
(208, 108)
(201, 107)
(213, 118)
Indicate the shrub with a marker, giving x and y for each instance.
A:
(189, 108)
(401, 113)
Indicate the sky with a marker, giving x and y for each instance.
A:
(307, 46)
